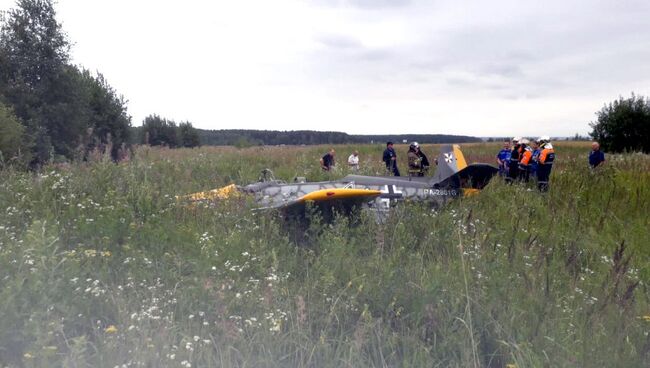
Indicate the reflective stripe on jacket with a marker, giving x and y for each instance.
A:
(547, 156)
(525, 158)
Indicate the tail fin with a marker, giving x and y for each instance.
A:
(453, 170)
(450, 161)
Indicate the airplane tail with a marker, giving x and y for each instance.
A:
(450, 161)
(454, 172)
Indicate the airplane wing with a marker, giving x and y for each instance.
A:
(474, 176)
(340, 194)
(477, 176)
(211, 195)
(330, 197)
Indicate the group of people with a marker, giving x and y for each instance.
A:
(328, 161)
(527, 159)
(417, 161)
(522, 161)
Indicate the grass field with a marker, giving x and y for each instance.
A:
(101, 266)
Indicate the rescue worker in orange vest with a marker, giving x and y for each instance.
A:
(545, 162)
(525, 161)
(513, 164)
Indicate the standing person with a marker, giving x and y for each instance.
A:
(545, 163)
(513, 164)
(353, 161)
(596, 156)
(417, 160)
(327, 162)
(534, 160)
(503, 159)
(414, 161)
(390, 159)
(525, 160)
(424, 161)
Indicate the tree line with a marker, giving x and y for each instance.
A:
(242, 138)
(160, 131)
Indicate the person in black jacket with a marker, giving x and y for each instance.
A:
(544, 162)
(513, 164)
(424, 160)
(390, 159)
(327, 162)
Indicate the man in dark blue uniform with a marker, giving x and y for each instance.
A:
(390, 159)
(513, 164)
(596, 156)
(503, 159)
(535, 159)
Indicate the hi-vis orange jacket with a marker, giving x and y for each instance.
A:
(526, 156)
(547, 156)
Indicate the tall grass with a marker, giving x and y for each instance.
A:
(101, 266)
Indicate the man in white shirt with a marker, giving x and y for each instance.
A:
(353, 161)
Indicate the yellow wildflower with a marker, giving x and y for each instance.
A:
(511, 365)
(28, 356)
(106, 253)
(90, 252)
(646, 318)
(110, 329)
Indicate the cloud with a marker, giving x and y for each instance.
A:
(369, 60)
(502, 69)
(364, 4)
(379, 4)
(506, 50)
(338, 41)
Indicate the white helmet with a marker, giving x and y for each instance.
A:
(516, 139)
(415, 145)
(544, 139)
(524, 141)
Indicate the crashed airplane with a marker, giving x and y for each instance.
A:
(453, 178)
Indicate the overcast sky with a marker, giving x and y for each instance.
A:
(484, 68)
